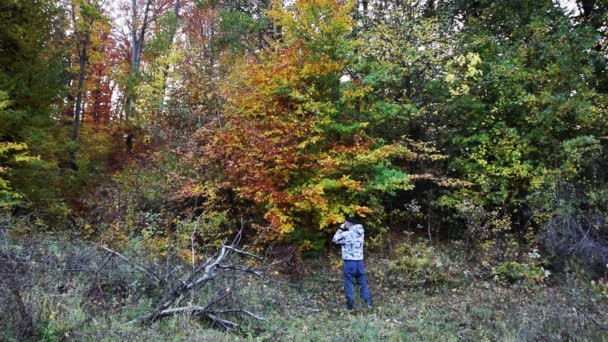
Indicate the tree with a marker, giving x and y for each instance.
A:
(523, 100)
(293, 140)
(13, 155)
(31, 82)
(84, 15)
(402, 48)
(143, 13)
(103, 60)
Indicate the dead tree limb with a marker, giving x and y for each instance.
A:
(134, 264)
(211, 313)
(251, 255)
(224, 322)
(241, 268)
(193, 282)
(192, 237)
(202, 274)
(242, 311)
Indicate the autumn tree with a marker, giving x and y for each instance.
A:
(294, 140)
(182, 82)
(85, 14)
(101, 84)
(401, 53)
(142, 16)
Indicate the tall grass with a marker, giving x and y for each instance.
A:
(65, 305)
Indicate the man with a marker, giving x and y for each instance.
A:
(350, 236)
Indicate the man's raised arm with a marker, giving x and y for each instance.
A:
(340, 235)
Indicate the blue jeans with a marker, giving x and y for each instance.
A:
(355, 269)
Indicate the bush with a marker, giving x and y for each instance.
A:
(16, 323)
(583, 237)
(600, 289)
(417, 265)
(513, 271)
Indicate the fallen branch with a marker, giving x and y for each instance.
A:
(223, 265)
(205, 272)
(224, 322)
(197, 309)
(134, 264)
(243, 311)
(251, 255)
(241, 268)
(192, 283)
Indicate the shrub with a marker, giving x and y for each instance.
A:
(513, 271)
(600, 289)
(417, 265)
(16, 323)
(583, 237)
(488, 229)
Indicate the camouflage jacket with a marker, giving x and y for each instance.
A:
(351, 241)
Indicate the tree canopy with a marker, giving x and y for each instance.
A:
(300, 113)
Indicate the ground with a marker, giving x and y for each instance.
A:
(465, 307)
(474, 311)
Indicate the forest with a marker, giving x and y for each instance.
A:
(176, 169)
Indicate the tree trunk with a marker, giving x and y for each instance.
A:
(588, 6)
(166, 68)
(82, 55)
(137, 45)
(130, 105)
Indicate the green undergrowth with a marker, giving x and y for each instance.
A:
(63, 305)
(471, 310)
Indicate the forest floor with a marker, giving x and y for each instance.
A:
(465, 308)
(468, 310)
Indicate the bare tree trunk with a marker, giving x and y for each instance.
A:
(214, 107)
(130, 105)
(82, 56)
(166, 68)
(96, 114)
(137, 45)
(428, 219)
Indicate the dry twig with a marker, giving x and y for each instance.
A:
(134, 264)
(202, 274)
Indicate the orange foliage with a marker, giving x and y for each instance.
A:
(289, 140)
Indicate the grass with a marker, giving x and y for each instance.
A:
(465, 308)
(476, 311)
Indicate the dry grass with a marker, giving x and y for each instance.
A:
(466, 308)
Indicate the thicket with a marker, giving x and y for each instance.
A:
(483, 122)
